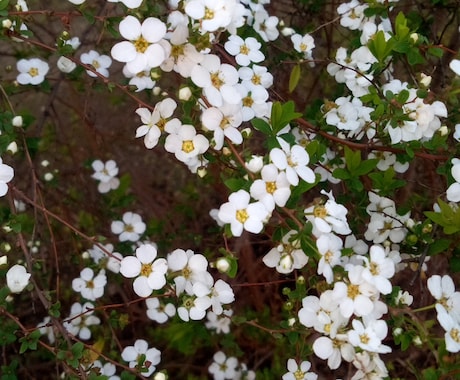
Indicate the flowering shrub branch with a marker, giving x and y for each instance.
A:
(301, 222)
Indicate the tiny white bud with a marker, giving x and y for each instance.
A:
(291, 322)
(7, 23)
(156, 91)
(65, 64)
(12, 147)
(7, 228)
(48, 176)
(417, 341)
(3, 260)
(410, 223)
(85, 255)
(185, 93)
(226, 151)
(246, 132)
(45, 163)
(201, 172)
(222, 265)
(414, 37)
(287, 31)
(17, 121)
(255, 164)
(443, 130)
(159, 376)
(425, 80)
(397, 331)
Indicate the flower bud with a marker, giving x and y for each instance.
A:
(417, 341)
(185, 93)
(17, 121)
(222, 265)
(255, 164)
(414, 37)
(202, 172)
(7, 23)
(425, 80)
(12, 147)
(3, 260)
(443, 131)
(397, 331)
(156, 91)
(65, 64)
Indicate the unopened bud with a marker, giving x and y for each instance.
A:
(4, 260)
(7, 23)
(185, 93)
(201, 172)
(12, 147)
(414, 37)
(425, 80)
(417, 341)
(397, 331)
(443, 131)
(222, 265)
(156, 91)
(17, 121)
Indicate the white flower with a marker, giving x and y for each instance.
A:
(106, 173)
(224, 122)
(443, 290)
(245, 51)
(47, 327)
(452, 328)
(188, 268)
(455, 66)
(31, 71)
(100, 62)
(369, 337)
(266, 26)
(186, 144)
(77, 2)
(212, 14)
(141, 80)
(217, 80)
(299, 372)
(17, 278)
(272, 189)
(155, 122)
(6, 175)
(243, 215)
(17, 121)
(91, 287)
(129, 228)
(329, 246)
(294, 161)
(328, 217)
(132, 4)
(354, 297)
(453, 191)
(133, 355)
(219, 323)
(334, 350)
(287, 256)
(352, 14)
(379, 269)
(303, 44)
(221, 294)
(141, 51)
(148, 270)
(81, 317)
(223, 367)
(104, 254)
(108, 369)
(158, 311)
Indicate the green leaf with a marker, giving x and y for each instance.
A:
(341, 173)
(4, 4)
(29, 342)
(435, 51)
(440, 245)
(282, 115)
(262, 126)
(294, 77)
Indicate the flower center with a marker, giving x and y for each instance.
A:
(216, 81)
(364, 338)
(455, 334)
(242, 215)
(299, 375)
(141, 44)
(208, 13)
(95, 64)
(248, 101)
(256, 79)
(129, 228)
(303, 47)
(374, 269)
(177, 51)
(270, 187)
(146, 269)
(352, 291)
(90, 284)
(33, 71)
(244, 49)
(328, 256)
(320, 211)
(187, 146)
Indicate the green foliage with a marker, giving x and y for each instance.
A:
(294, 77)
(72, 357)
(448, 218)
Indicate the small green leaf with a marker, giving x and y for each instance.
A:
(440, 245)
(294, 78)
(341, 173)
(262, 126)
